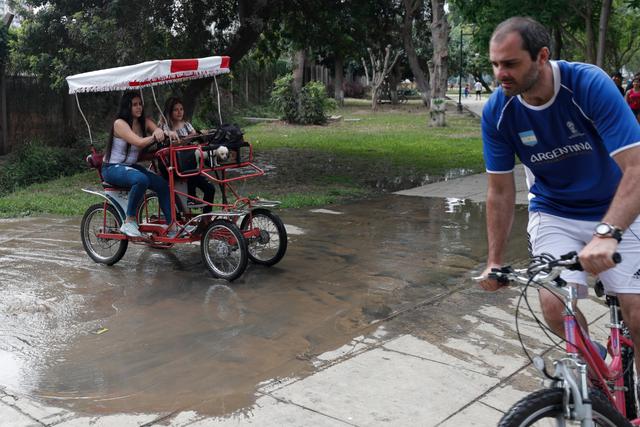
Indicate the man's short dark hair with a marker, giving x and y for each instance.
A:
(534, 35)
(617, 74)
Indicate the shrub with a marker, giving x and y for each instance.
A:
(284, 100)
(314, 104)
(309, 107)
(34, 162)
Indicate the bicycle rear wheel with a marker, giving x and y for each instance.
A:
(544, 408)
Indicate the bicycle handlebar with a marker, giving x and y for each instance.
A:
(542, 270)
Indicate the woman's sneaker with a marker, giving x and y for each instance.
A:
(130, 229)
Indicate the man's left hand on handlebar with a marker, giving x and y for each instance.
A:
(597, 256)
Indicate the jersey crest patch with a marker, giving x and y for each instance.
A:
(528, 138)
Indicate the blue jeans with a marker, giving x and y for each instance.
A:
(138, 179)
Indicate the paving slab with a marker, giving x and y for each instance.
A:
(384, 387)
(268, 411)
(12, 417)
(478, 415)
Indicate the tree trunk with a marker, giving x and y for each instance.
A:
(421, 78)
(298, 70)
(439, 39)
(602, 33)
(556, 46)
(4, 122)
(191, 94)
(252, 15)
(338, 79)
(589, 35)
(394, 79)
(4, 133)
(68, 115)
(379, 70)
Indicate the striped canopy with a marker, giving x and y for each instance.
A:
(150, 73)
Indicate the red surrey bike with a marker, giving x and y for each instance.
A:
(237, 229)
(585, 390)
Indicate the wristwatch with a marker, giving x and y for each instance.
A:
(607, 230)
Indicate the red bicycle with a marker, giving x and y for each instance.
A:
(236, 230)
(585, 390)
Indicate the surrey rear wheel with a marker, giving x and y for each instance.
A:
(150, 212)
(224, 250)
(271, 244)
(97, 220)
(544, 408)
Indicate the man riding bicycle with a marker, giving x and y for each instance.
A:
(580, 145)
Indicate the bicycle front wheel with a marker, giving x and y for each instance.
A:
(544, 408)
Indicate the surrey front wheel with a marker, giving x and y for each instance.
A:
(224, 250)
(97, 220)
(545, 408)
(269, 246)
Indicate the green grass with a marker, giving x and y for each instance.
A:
(392, 142)
(401, 137)
(62, 196)
(318, 198)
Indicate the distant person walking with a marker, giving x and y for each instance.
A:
(633, 98)
(617, 79)
(478, 88)
(466, 90)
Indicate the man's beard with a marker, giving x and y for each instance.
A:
(528, 81)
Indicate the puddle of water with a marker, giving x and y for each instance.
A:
(397, 183)
(454, 204)
(177, 338)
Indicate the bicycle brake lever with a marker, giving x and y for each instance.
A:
(497, 274)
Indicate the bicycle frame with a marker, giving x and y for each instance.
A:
(600, 374)
(582, 356)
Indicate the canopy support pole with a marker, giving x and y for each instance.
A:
(85, 119)
(155, 101)
(215, 80)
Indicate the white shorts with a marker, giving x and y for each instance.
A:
(557, 236)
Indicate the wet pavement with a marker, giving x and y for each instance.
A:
(156, 333)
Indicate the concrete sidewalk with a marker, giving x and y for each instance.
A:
(410, 369)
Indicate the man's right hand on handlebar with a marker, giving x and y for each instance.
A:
(488, 284)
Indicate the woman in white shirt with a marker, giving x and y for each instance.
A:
(130, 133)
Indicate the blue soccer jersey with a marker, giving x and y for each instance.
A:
(566, 144)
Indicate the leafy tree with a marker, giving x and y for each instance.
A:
(63, 37)
(334, 32)
(574, 25)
